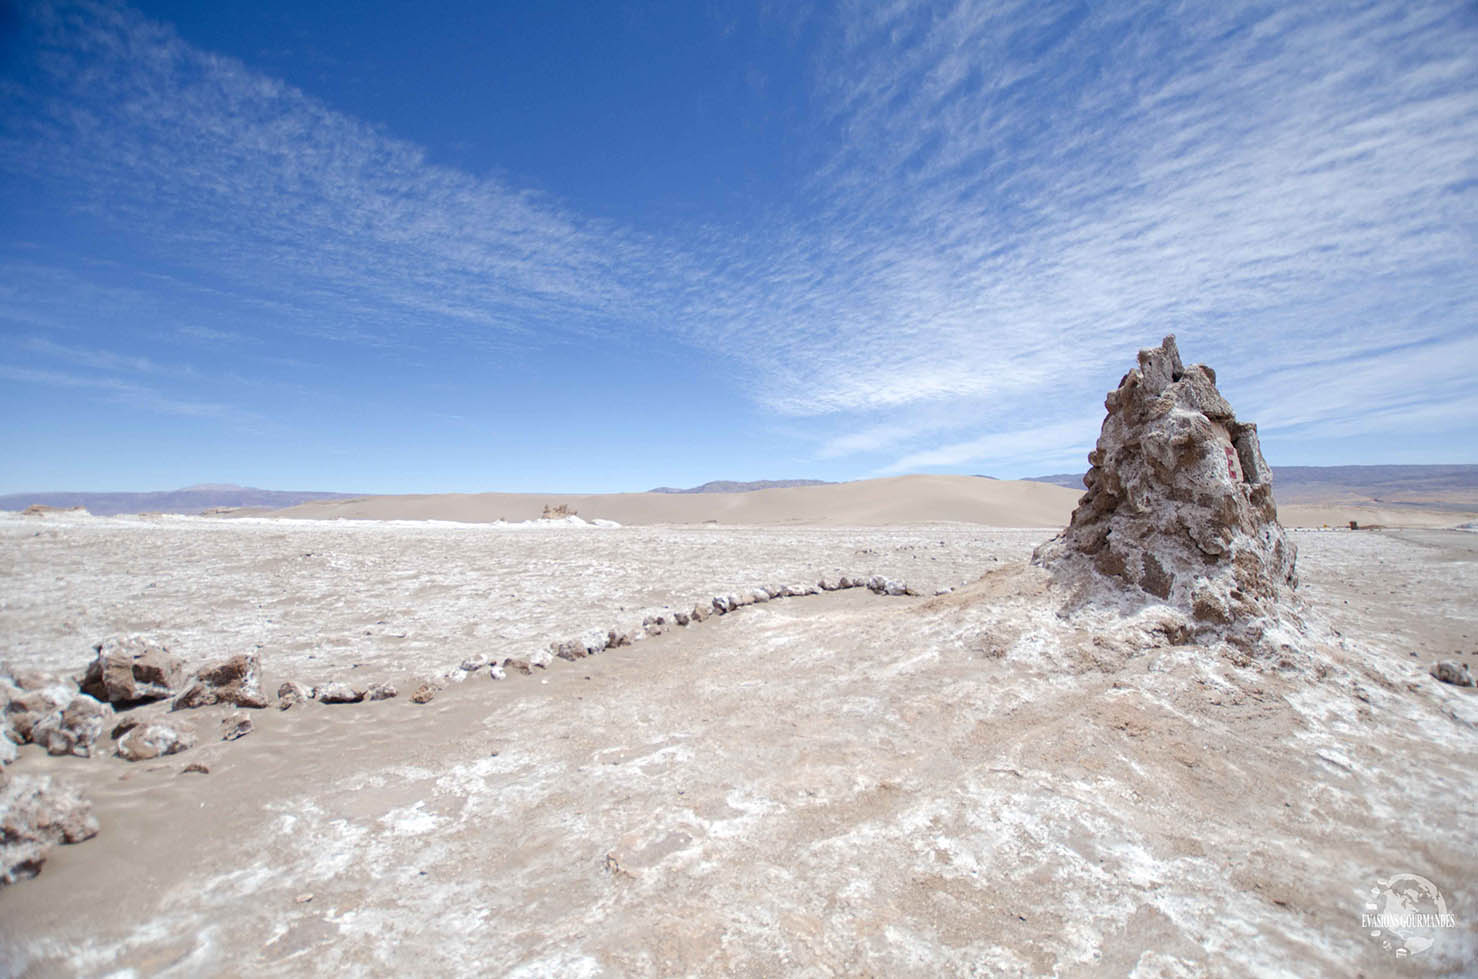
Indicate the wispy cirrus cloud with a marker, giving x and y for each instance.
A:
(1010, 198)
(1022, 194)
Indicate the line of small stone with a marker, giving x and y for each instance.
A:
(656, 623)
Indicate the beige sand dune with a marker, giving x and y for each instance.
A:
(871, 502)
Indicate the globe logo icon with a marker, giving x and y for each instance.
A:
(1406, 913)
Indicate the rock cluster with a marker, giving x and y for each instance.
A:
(1179, 508)
(36, 709)
(35, 816)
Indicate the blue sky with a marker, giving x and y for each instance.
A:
(567, 246)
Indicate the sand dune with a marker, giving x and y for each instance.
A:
(868, 503)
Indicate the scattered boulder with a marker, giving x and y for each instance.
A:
(237, 680)
(235, 726)
(339, 693)
(131, 670)
(570, 649)
(35, 816)
(73, 729)
(497, 672)
(154, 739)
(381, 691)
(474, 663)
(291, 693)
(516, 664)
(195, 768)
(1453, 672)
(424, 694)
(1179, 508)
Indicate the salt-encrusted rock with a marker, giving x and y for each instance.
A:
(153, 740)
(235, 726)
(844, 582)
(291, 693)
(681, 618)
(700, 613)
(35, 816)
(73, 729)
(1179, 508)
(570, 649)
(237, 681)
(721, 604)
(517, 664)
(474, 663)
(497, 672)
(381, 691)
(339, 693)
(424, 694)
(758, 595)
(28, 706)
(129, 670)
(1455, 673)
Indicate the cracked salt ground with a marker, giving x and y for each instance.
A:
(844, 784)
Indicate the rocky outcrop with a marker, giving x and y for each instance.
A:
(1179, 508)
(236, 681)
(35, 816)
(153, 739)
(130, 670)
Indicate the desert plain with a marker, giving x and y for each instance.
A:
(961, 780)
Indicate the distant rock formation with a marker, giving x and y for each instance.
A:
(730, 486)
(1179, 508)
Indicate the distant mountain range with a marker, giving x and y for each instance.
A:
(1455, 485)
(729, 486)
(191, 499)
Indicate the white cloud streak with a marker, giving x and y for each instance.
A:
(1013, 198)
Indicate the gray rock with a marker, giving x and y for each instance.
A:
(235, 726)
(497, 672)
(1179, 508)
(1453, 672)
(381, 691)
(570, 649)
(154, 739)
(515, 664)
(339, 693)
(474, 663)
(129, 670)
(237, 681)
(36, 815)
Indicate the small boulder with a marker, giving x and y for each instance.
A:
(237, 681)
(474, 663)
(497, 672)
(1453, 672)
(570, 649)
(339, 693)
(195, 768)
(514, 664)
(291, 693)
(424, 694)
(31, 705)
(35, 816)
(130, 670)
(381, 691)
(153, 740)
(235, 726)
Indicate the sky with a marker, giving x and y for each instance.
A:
(470, 246)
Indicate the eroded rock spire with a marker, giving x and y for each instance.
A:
(1179, 508)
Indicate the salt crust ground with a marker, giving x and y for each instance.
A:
(840, 785)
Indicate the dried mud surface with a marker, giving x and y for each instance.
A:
(843, 784)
